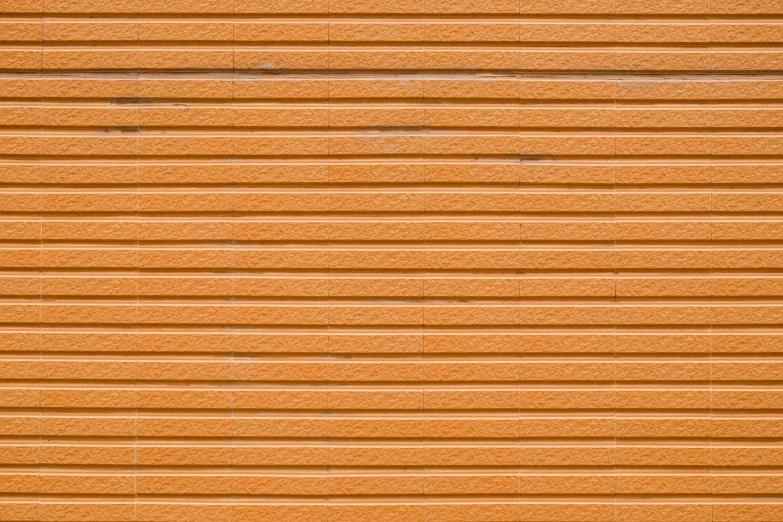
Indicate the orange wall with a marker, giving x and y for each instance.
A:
(391, 260)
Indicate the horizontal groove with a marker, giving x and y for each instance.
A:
(428, 385)
(113, 72)
(330, 355)
(522, 159)
(421, 160)
(618, 302)
(337, 44)
(99, 440)
(341, 470)
(401, 327)
(428, 501)
(519, 187)
(416, 132)
(424, 443)
(305, 131)
(420, 330)
(425, 132)
(399, 470)
(668, 76)
(395, 15)
(369, 272)
(413, 501)
(416, 424)
(337, 470)
(412, 245)
(423, 103)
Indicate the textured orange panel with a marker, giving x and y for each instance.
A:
(391, 260)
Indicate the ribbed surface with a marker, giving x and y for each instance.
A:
(391, 260)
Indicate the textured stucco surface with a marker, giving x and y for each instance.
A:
(391, 260)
